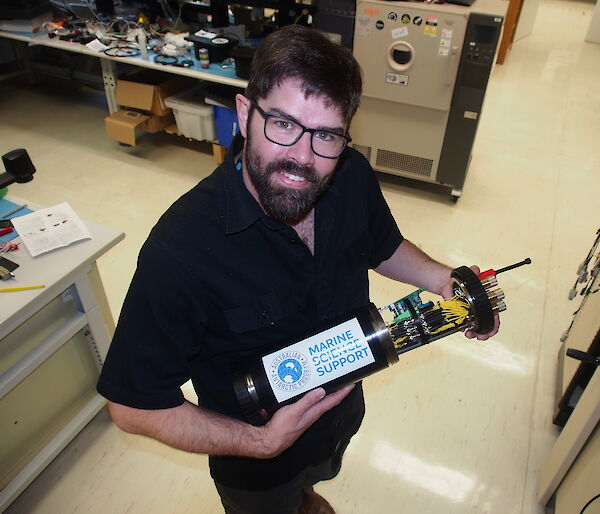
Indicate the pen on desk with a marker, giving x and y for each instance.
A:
(24, 288)
(12, 211)
(4, 231)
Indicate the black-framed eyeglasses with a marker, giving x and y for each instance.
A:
(286, 132)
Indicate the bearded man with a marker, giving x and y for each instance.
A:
(278, 240)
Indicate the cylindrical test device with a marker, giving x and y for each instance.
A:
(363, 343)
(341, 353)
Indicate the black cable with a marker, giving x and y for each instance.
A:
(165, 59)
(589, 503)
(122, 50)
(398, 330)
(513, 266)
(434, 319)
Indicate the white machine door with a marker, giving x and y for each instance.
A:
(409, 54)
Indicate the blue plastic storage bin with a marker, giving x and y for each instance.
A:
(226, 124)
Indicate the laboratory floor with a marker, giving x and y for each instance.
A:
(457, 427)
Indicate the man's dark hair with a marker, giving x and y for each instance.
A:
(322, 67)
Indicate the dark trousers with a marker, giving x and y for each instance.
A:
(284, 499)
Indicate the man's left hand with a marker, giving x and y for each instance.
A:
(471, 334)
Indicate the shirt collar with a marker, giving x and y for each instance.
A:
(241, 208)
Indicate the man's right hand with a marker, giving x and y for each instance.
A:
(199, 430)
(291, 421)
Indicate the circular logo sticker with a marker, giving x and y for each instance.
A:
(290, 371)
(405, 18)
(379, 24)
(417, 20)
(392, 16)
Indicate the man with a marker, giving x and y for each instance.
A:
(275, 242)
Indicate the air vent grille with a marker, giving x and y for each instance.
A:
(403, 162)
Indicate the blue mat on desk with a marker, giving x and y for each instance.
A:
(7, 206)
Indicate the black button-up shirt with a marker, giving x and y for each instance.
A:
(217, 280)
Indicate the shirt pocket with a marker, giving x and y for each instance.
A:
(262, 313)
(355, 255)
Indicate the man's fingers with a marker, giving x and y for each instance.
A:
(471, 334)
(475, 269)
(493, 331)
(318, 397)
(333, 399)
(289, 422)
(302, 405)
(310, 399)
(328, 402)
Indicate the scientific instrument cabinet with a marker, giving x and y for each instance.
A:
(426, 69)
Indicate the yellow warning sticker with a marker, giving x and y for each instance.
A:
(430, 30)
(431, 25)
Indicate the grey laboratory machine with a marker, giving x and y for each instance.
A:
(426, 68)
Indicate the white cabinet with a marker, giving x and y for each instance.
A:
(52, 345)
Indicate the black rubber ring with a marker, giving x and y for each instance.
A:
(482, 307)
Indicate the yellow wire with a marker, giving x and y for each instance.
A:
(455, 310)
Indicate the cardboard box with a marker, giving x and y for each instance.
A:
(121, 125)
(157, 123)
(146, 91)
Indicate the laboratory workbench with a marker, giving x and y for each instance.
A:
(215, 73)
(53, 342)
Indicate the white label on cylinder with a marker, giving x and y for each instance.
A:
(319, 359)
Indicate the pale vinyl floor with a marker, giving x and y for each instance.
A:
(455, 427)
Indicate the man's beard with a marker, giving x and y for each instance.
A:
(283, 204)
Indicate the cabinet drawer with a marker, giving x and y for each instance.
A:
(23, 339)
(34, 411)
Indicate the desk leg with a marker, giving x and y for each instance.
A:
(95, 306)
(109, 77)
(22, 55)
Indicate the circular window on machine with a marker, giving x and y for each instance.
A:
(401, 55)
